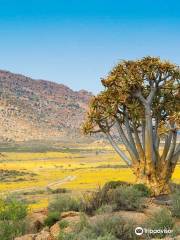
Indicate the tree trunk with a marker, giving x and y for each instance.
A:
(158, 185)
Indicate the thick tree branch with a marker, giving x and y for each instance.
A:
(143, 135)
(172, 147)
(128, 146)
(177, 148)
(151, 95)
(129, 133)
(118, 150)
(138, 144)
(175, 159)
(139, 95)
(166, 146)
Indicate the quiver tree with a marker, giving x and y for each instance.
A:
(141, 106)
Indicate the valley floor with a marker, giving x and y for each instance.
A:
(36, 176)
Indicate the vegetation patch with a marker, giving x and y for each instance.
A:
(175, 208)
(12, 218)
(120, 195)
(52, 218)
(63, 203)
(63, 224)
(127, 198)
(14, 175)
(103, 228)
(145, 191)
(160, 220)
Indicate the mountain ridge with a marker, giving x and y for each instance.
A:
(39, 109)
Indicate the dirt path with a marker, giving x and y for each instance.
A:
(52, 184)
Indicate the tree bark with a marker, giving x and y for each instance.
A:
(157, 185)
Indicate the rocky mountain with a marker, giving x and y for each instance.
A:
(38, 109)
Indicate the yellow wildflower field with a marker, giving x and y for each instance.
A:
(83, 169)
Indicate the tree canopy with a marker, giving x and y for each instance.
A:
(141, 100)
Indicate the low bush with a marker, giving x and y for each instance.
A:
(114, 184)
(145, 191)
(115, 193)
(63, 224)
(12, 218)
(106, 228)
(105, 209)
(11, 229)
(160, 220)
(94, 200)
(64, 203)
(108, 236)
(176, 203)
(52, 218)
(116, 226)
(126, 198)
(58, 190)
(12, 209)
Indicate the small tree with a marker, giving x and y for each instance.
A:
(141, 101)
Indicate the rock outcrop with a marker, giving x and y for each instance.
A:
(38, 109)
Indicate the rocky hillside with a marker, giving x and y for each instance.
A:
(38, 109)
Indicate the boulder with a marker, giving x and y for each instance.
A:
(72, 221)
(70, 214)
(36, 221)
(44, 235)
(55, 230)
(26, 237)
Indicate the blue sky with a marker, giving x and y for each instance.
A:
(77, 42)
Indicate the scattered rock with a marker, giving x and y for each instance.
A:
(70, 214)
(55, 230)
(36, 221)
(44, 235)
(26, 237)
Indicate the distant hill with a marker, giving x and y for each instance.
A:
(38, 109)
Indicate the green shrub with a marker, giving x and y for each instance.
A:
(52, 218)
(83, 223)
(103, 228)
(11, 229)
(63, 224)
(108, 236)
(106, 208)
(12, 209)
(114, 184)
(114, 225)
(126, 198)
(161, 219)
(145, 191)
(123, 195)
(58, 190)
(176, 203)
(67, 236)
(12, 218)
(64, 203)
(175, 187)
(93, 201)
(86, 235)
